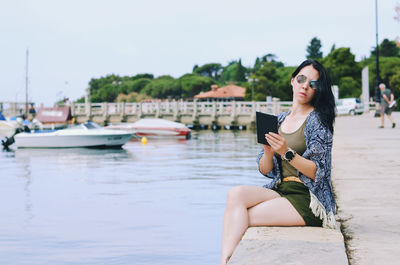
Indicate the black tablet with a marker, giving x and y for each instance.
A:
(265, 123)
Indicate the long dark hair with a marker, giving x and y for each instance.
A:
(323, 100)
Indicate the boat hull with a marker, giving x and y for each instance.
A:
(37, 140)
(155, 128)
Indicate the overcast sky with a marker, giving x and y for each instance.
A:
(72, 41)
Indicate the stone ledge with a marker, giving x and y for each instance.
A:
(290, 245)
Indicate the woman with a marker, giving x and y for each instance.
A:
(298, 162)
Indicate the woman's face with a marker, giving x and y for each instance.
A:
(302, 92)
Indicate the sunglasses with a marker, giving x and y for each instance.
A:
(301, 79)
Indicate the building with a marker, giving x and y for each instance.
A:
(226, 93)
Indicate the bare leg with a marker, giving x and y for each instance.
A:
(236, 217)
(276, 212)
(390, 118)
(382, 119)
(253, 206)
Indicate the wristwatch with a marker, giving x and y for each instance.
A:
(289, 155)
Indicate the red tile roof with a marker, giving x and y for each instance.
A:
(229, 91)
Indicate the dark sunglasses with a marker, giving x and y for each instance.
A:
(301, 79)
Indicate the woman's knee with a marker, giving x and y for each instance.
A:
(236, 196)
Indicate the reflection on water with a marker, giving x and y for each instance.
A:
(160, 203)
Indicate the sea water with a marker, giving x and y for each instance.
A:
(159, 203)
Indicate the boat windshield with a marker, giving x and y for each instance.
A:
(89, 126)
(92, 125)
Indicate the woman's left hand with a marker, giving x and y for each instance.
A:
(277, 142)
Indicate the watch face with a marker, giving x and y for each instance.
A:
(289, 155)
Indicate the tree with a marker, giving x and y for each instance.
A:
(283, 88)
(163, 87)
(136, 85)
(212, 70)
(266, 77)
(314, 49)
(389, 67)
(349, 87)
(387, 49)
(240, 72)
(107, 93)
(193, 84)
(340, 63)
(229, 71)
(140, 76)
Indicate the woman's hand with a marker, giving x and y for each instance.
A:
(277, 143)
(268, 149)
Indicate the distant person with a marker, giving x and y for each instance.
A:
(32, 111)
(297, 162)
(387, 98)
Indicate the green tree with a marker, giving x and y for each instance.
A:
(106, 93)
(389, 66)
(394, 84)
(349, 87)
(314, 49)
(387, 49)
(193, 84)
(340, 63)
(163, 87)
(141, 76)
(240, 72)
(228, 72)
(266, 76)
(283, 87)
(136, 85)
(212, 70)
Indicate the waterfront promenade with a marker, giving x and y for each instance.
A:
(365, 177)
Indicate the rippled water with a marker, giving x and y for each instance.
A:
(161, 203)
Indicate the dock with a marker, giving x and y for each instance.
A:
(365, 179)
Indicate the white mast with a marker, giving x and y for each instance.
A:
(26, 83)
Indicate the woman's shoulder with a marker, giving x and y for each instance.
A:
(314, 124)
(282, 116)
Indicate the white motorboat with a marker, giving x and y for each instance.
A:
(84, 135)
(7, 128)
(158, 128)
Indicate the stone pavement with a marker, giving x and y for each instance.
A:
(290, 246)
(366, 181)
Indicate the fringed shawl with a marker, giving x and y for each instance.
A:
(319, 150)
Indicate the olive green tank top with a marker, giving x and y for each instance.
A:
(297, 141)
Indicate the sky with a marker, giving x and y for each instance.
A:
(72, 41)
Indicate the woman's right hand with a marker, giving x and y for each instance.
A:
(266, 161)
(267, 148)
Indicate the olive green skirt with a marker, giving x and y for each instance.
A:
(299, 196)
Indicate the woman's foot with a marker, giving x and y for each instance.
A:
(381, 127)
(393, 125)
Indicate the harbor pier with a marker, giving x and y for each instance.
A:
(220, 114)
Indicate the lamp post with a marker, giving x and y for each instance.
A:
(252, 81)
(377, 78)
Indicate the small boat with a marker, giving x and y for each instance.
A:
(83, 135)
(9, 125)
(7, 128)
(158, 128)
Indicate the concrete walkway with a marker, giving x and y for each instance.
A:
(290, 246)
(366, 179)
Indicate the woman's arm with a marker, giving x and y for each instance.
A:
(266, 163)
(305, 166)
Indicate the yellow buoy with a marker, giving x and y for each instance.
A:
(144, 140)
